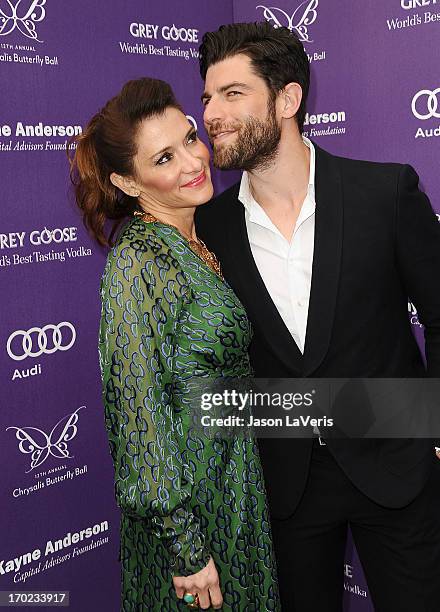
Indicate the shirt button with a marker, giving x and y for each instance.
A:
(300, 303)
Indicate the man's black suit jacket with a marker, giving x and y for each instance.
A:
(377, 243)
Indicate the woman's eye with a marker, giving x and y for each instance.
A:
(192, 137)
(165, 158)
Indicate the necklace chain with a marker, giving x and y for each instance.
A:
(197, 245)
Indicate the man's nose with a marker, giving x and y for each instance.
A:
(213, 112)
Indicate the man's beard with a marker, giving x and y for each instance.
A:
(256, 144)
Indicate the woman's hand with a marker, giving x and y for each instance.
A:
(205, 583)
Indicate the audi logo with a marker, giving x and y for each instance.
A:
(57, 333)
(430, 98)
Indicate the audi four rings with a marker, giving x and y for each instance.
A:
(27, 343)
(432, 104)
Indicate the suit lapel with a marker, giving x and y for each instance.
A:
(243, 275)
(326, 259)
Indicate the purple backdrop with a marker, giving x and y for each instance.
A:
(374, 95)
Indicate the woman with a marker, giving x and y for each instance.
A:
(194, 525)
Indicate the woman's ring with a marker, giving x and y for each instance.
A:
(192, 601)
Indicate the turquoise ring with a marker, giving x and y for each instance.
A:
(189, 598)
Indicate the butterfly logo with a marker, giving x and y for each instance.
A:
(302, 17)
(39, 445)
(10, 20)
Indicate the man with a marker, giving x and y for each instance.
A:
(324, 252)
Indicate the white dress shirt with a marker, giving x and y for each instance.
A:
(285, 267)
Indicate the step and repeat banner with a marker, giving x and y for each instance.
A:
(374, 95)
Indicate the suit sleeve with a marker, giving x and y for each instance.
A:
(141, 296)
(418, 255)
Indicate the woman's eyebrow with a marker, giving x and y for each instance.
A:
(191, 129)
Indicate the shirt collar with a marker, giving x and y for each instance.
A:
(247, 199)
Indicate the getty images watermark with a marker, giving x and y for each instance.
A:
(303, 408)
(246, 403)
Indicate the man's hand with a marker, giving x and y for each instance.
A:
(205, 583)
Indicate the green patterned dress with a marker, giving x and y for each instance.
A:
(184, 496)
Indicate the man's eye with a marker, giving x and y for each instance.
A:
(233, 94)
(165, 158)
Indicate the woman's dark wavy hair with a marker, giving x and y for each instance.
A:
(276, 54)
(108, 144)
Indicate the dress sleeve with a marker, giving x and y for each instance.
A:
(142, 291)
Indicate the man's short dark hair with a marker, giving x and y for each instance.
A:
(276, 55)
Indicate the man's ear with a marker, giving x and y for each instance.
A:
(291, 97)
(125, 184)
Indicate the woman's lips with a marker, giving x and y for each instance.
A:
(197, 181)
